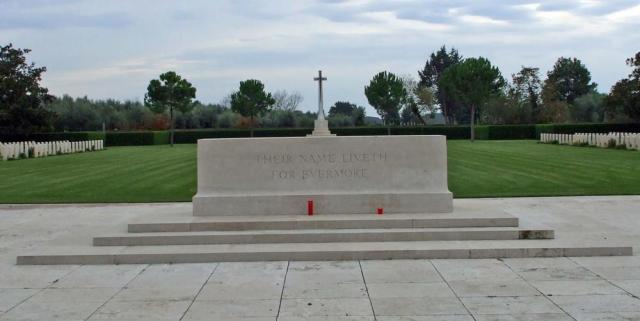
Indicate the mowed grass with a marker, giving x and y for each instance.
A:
(117, 174)
(527, 168)
(163, 174)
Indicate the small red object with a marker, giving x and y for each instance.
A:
(380, 210)
(310, 207)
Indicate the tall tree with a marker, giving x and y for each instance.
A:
(251, 100)
(526, 89)
(430, 75)
(22, 98)
(170, 91)
(570, 78)
(473, 82)
(626, 92)
(386, 94)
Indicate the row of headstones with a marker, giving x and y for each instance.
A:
(19, 150)
(628, 140)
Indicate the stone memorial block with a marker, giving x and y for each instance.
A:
(340, 175)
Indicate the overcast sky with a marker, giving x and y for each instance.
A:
(111, 49)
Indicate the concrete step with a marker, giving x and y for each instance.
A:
(355, 221)
(321, 251)
(322, 236)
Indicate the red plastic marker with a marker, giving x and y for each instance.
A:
(380, 210)
(310, 207)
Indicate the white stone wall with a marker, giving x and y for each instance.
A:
(629, 140)
(31, 149)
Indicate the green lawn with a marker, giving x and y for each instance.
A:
(162, 173)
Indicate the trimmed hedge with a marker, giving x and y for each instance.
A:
(503, 132)
(492, 132)
(136, 138)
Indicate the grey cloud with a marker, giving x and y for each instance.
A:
(439, 11)
(10, 20)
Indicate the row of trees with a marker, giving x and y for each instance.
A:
(472, 89)
(251, 101)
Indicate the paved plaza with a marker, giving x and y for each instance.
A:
(592, 288)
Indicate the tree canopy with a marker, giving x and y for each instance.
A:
(526, 89)
(251, 100)
(626, 92)
(386, 93)
(170, 92)
(473, 82)
(352, 111)
(434, 68)
(22, 98)
(570, 78)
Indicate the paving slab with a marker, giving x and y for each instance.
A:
(510, 305)
(100, 276)
(524, 317)
(575, 304)
(576, 287)
(618, 273)
(481, 287)
(11, 297)
(326, 307)
(550, 274)
(232, 309)
(631, 286)
(454, 317)
(181, 293)
(235, 281)
(51, 311)
(66, 295)
(311, 289)
(327, 318)
(410, 290)
(417, 306)
(399, 271)
(141, 311)
(609, 316)
(324, 272)
(604, 262)
(460, 270)
(173, 276)
(34, 277)
(521, 264)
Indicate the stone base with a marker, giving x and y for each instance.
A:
(462, 234)
(365, 203)
(341, 175)
(321, 128)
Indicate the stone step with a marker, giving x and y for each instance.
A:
(320, 252)
(354, 221)
(322, 236)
